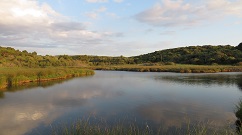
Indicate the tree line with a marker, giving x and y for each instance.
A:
(201, 55)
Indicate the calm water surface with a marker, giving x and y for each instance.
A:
(165, 99)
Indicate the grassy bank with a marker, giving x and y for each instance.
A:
(178, 68)
(16, 76)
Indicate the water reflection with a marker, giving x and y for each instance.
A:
(168, 114)
(206, 79)
(239, 83)
(23, 111)
(116, 96)
(28, 86)
(1, 94)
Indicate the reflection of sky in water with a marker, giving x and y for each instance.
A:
(163, 98)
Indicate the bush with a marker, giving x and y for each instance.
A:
(170, 63)
(214, 64)
(239, 64)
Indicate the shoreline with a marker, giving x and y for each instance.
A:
(172, 68)
(21, 76)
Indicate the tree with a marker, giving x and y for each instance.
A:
(34, 53)
(239, 47)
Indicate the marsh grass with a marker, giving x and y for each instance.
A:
(101, 127)
(178, 68)
(10, 77)
(238, 114)
(87, 127)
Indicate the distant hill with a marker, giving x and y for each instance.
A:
(201, 55)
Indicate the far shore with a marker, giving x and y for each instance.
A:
(18, 76)
(177, 68)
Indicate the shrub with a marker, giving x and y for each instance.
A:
(170, 63)
(239, 64)
(214, 64)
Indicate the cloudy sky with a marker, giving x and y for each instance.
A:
(117, 27)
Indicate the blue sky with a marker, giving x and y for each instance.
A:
(117, 27)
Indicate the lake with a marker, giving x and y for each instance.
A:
(166, 100)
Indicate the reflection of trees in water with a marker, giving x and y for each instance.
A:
(28, 86)
(206, 80)
(239, 83)
(1, 94)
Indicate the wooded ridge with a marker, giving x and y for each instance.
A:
(197, 55)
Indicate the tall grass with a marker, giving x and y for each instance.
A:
(101, 127)
(238, 114)
(16, 76)
(178, 68)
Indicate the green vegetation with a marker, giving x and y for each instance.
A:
(210, 58)
(101, 127)
(16, 76)
(9, 57)
(238, 114)
(239, 47)
(196, 55)
(199, 55)
(19, 67)
(178, 68)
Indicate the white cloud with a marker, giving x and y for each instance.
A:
(95, 13)
(92, 15)
(26, 13)
(179, 13)
(96, 1)
(103, 1)
(101, 9)
(226, 7)
(168, 33)
(112, 15)
(29, 24)
(118, 1)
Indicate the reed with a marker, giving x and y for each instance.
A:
(178, 68)
(16, 76)
(101, 127)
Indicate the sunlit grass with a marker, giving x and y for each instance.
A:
(178, 68)
(15, 76)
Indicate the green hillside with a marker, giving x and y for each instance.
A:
(201, 55)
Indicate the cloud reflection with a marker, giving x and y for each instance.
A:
(205, 79)
(1, 94)
(176, 114)
(25, 110)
